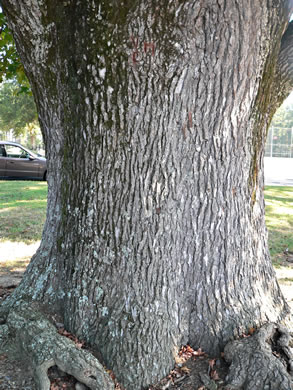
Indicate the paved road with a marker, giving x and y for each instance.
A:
(279, 171)
(278, 182)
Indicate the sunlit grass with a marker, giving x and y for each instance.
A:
(22, 210)
(279, 220)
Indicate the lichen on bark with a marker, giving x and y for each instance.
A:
(29, 334)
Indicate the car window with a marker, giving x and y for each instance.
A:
(2, 151)
(15, 152)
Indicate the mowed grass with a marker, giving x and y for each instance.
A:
(22, 210)
(279, 220)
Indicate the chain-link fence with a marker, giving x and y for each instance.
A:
(279, 142)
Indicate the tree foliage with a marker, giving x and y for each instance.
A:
(17, 110)
(10, 64)
(284, 116)
(17, 107)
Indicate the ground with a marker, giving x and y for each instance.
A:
(193, 371)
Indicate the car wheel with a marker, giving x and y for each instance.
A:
(45, 176)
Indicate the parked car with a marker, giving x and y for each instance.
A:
(16, 161)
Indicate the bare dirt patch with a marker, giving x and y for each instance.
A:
(14, 258)
(13, 375)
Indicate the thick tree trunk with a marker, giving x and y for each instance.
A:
(154, 116)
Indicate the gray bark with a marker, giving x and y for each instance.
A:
(263, 361)
(154, 116)
(36, 339)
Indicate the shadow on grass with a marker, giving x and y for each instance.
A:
(14, 266)
(284, 200)
(20, 224)
(22, 210)
(279, 221)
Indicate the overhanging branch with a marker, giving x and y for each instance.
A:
(285, 61)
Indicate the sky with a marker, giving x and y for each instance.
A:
(289, 100)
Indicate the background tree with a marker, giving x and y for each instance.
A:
(154, 116)
(17, 107)
(284, 116)
(17, 110)
(10, 64)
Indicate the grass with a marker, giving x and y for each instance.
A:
(22, 210)
(279, 220)
(8, 267)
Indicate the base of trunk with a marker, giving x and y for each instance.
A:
(261, 361)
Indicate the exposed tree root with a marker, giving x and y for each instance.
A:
(262, 361)
(39, 342)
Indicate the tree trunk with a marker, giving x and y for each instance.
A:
(154, 116)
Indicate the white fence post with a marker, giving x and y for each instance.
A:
(272, 141)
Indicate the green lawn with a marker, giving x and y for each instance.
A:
(22, 210)
(279, 219)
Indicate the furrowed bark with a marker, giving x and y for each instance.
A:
(154, 117)
(285, 62)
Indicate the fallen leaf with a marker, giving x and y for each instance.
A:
(3, 357)
(214, 375)
(185, 369)
(199, 352)
(251, 331)
(179, 359)
(65, 333)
